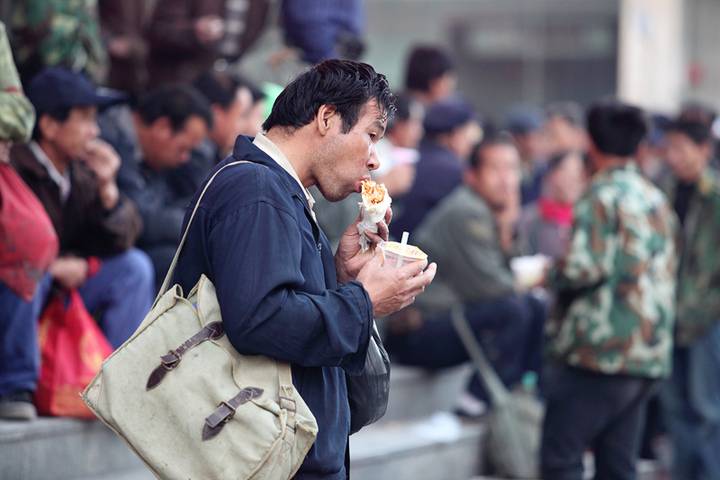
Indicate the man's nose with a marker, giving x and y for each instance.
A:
(374, 160)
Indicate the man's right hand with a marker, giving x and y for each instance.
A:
(69, 271)
(391, 289)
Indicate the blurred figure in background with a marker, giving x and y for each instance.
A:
(691, 398)
(73, 173)
(398, 149)
(125, 27)
(323, 30)
(564, 128)
(157, 136)
(452, 128)
(526, 124)
(28, 246)
(430, 74)
(188, 37)
(54, 33)
(609, 339)
(465, 235)
(545, 224)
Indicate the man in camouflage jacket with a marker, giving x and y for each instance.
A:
(691, 399)
(611, 336)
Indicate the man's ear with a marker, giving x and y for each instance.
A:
(48, 126)
(327, 114)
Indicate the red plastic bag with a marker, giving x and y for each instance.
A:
(28, 242)
(73, 347)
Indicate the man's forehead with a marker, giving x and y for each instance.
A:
(372, 108)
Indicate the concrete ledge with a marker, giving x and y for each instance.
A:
(399, 450)
(417, 393)
(62, 449)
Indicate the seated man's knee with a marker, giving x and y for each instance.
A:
(138, 267)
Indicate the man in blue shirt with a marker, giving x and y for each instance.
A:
(281, 292)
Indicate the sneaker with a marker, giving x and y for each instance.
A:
(17, 406)
(469, 406)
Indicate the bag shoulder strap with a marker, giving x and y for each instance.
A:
(497, 390)
(173, 265)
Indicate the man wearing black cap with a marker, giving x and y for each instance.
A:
(73, 174)
(451, 130)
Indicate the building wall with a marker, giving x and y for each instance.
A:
(701, 74)
(509, 52)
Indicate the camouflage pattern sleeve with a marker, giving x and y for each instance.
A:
(61, 32)
(589, 259)
(699, 278)
(16, 111)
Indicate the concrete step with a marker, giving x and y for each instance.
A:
(439, 447)
(418, 393)
(408, 435)
(62, 449)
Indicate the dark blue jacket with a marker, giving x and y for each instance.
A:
(255, 239)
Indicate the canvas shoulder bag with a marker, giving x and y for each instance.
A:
(192, 407)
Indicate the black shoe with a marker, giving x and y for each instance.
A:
(17, 406)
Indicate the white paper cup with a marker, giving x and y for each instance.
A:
(397, 254)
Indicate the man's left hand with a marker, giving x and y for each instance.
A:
(349, 257)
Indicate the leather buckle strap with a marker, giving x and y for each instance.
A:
(170, 360)
(215, 422)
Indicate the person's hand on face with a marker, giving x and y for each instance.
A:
(102, 159)
(349, 257)
(391, 289)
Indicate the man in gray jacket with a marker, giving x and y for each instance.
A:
(470, 235)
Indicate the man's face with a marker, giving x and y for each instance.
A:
(686, 158)
(170, 149)
(346, 159)
(71, 137)
(497, 178)
(229, 122)
(566, 182)
(561, 136)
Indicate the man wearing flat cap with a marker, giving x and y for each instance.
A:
(452, 128)
(72, 172)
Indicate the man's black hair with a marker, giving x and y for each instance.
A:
(568, 110)
(616, 128)
(218, 87)
(695, 121)
(404, 105)
(425, 64)
(345, 84)
(59, 114)
(489, 140)
(176, 101)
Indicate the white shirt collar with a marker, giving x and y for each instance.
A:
(62, 180)
(272, 150)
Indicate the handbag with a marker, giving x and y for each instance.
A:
(72, 348)
(368, 393)
(190, 405)
(515, 418)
